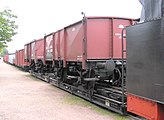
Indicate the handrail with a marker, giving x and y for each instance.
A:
(123, 65)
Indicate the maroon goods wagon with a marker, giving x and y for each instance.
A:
(54, 46)
(39, 50)
(86, 58)
(48, 53)
(49, 47)
(58, 49)
(27, 55)
(95, 38)
(30, 51)
(16, 58)
(54, 50)
(27, 52)
(39, 54)
(19, 58)
(6, 58)
(34, 54)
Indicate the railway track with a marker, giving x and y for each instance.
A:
(75, 91)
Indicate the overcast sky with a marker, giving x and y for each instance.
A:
(39, 17)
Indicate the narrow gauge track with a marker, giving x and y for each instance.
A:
(96, 98)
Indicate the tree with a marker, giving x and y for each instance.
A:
(7, 27)
(3, 52)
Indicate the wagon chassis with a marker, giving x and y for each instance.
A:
(109, 103)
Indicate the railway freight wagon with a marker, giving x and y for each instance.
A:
(34, 55)
(85, 58)
(6, 58)
(16, 58)
(19, 59)
(11, 58)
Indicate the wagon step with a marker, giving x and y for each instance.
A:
(91, 79)
(106, 98)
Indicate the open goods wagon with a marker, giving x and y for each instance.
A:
(84, 58)
(11, 58)
(34, 54)
(6, 58)
(92, 38)
(19, 59)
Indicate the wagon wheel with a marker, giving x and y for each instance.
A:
(91, 84)
(117, 77)
(32, 66)
(40, 65)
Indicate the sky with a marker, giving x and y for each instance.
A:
(39, 17)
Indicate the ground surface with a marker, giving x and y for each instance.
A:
(23, 97)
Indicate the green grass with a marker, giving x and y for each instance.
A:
(74, 100)
(31, 77)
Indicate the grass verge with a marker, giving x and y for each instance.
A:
(74, 100)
